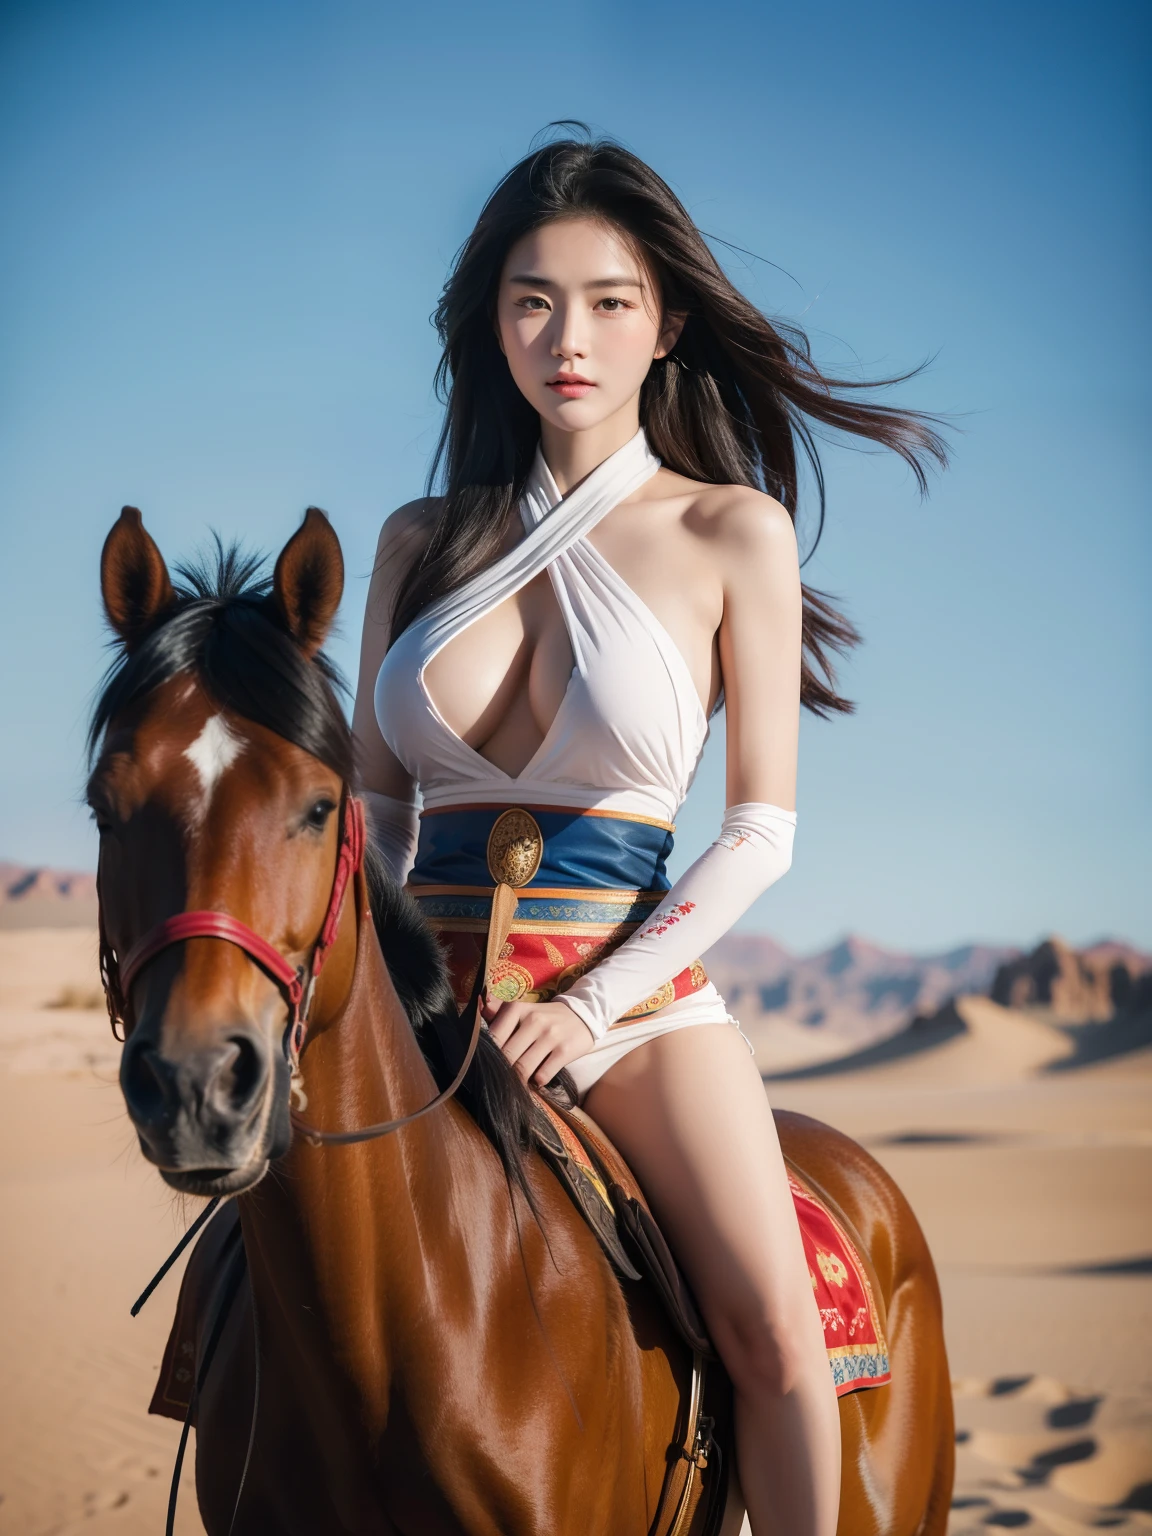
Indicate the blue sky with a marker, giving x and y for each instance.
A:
(225, 227)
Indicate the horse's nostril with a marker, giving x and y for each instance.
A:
(241, 1077)
(218, 1088)
(148, 1079)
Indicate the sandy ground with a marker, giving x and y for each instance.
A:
(1033, 1188)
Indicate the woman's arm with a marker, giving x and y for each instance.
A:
(387, 787)
(760, 649)
(754, 546)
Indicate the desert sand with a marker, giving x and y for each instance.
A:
(1033, 1187)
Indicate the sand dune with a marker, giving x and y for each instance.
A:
(997, 1046)
(974, 1041)
(1032, 1185)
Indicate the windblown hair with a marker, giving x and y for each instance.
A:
(224, 629)
(731, 403)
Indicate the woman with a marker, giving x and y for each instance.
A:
(544, 646)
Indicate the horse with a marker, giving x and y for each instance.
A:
(430, 1338)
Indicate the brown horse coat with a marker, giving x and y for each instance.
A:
(434, 1359)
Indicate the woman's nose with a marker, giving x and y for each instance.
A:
(570, 339)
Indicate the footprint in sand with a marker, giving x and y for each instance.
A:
(1032, 1452)
(101, 1500)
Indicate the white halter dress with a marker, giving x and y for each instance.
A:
(630, 730)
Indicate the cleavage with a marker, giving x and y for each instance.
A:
(499, 683)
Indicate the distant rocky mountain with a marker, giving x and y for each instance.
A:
(1082, 986)
(856, 992)
(35, 897)
(1097, 1001)
(19, 882)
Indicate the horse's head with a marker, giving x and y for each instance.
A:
(222, 760)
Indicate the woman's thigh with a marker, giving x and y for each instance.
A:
(689, 1112)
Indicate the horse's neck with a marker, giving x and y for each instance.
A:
(334, 1232)
(362, 1064)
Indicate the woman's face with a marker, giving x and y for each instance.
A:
(578, 318)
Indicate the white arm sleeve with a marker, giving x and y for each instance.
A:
(753, 850)
(394, 827)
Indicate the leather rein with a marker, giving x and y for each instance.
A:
(298, 983)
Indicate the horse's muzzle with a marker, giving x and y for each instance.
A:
(208, 1112)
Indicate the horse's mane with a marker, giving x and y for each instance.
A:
(223, 628)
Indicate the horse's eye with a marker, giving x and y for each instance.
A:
(317, 817)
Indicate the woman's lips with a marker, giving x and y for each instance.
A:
(570, 389)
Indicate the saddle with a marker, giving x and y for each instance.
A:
(607, 1195)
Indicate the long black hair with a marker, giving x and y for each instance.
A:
(223, 628)
(731, 403)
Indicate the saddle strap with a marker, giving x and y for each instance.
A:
(689, 1457)
(635, 1230)
(619, 1203)
(651, 1251)
(585, 1186)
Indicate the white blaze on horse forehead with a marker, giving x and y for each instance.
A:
(212, 754)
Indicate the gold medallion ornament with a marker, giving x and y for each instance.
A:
(515, 848)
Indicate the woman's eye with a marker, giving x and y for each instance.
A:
(530, 302)
(619, 305)
(318, 815)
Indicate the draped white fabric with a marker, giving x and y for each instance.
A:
(628, 736)
(630, 728)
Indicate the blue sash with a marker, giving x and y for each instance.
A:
(583, 850)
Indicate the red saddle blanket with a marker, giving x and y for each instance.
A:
(853, 1332)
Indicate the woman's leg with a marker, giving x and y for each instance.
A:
(689, 1112)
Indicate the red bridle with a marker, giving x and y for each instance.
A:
(297, 983)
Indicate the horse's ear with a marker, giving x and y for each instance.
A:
(133, 578)
(309, 580)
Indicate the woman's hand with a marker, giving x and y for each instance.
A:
(539, 1039)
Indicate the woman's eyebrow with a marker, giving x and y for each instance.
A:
(532, 281)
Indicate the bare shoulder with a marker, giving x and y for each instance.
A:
(410, 525)
(746, 520)
(750, 542)
(403, 536)
(741, 528)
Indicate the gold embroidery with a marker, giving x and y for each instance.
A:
(834, 1270)
(659, 999)
(508, 982)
